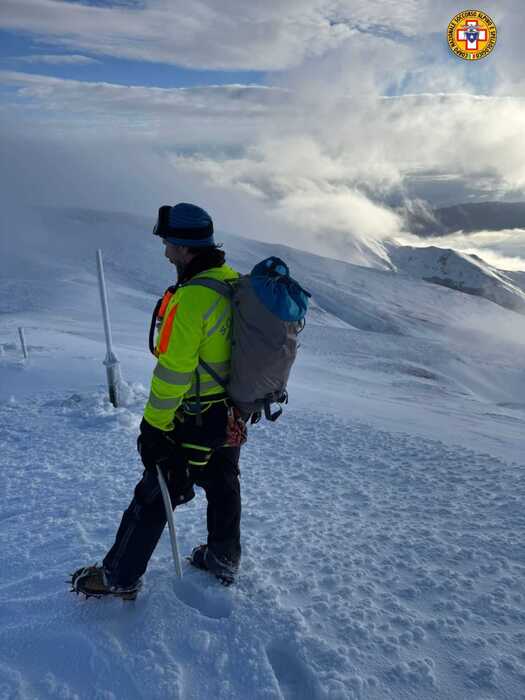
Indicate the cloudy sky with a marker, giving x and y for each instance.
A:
(302, 121)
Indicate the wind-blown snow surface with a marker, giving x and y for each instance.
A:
(383, 522)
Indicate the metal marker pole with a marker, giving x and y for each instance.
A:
(111, 362)
(23, 342)
(171, 522)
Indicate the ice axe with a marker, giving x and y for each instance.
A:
(171, 521)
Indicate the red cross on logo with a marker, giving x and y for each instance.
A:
(470, 33)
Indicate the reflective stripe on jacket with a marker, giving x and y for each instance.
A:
(196, 326)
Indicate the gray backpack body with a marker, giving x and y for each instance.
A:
(264, 348)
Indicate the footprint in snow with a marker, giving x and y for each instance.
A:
(206, 595)
(296, 681)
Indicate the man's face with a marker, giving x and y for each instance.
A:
(177, 255)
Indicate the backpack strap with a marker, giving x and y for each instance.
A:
(205, 366)
(225, 289)
(222, 287)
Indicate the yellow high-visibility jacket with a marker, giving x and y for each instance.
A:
(196, 325)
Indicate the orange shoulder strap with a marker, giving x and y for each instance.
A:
(166, 331)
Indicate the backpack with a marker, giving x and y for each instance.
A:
(268, 313)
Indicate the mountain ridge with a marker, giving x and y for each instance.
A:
(466, 217)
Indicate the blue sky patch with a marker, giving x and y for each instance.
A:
(15, 46)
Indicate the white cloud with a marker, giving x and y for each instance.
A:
(375, 146)
(82, 96)
(265, 36)
(201, 117)
(374, 140)
(315, 167)
(56, 59)
(320, 150)
(271, 35)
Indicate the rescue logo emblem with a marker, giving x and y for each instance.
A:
(471, 35)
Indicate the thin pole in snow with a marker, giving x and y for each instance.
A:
(171, 522)
(111, 362)
(23, 342)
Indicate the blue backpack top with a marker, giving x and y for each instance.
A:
(277, 291)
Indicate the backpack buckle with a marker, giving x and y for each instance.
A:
(268, 400)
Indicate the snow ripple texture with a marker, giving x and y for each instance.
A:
(376, 565)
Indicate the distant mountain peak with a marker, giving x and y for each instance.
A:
(460, 271)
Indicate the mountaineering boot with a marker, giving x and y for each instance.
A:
(92, 581)
(224, 569)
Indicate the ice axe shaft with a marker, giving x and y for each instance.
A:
(171, 522)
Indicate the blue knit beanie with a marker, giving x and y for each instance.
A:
(185, 224)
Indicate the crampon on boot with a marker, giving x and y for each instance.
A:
(203, 558)
(92, 581)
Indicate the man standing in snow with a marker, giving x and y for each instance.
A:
(185, 425)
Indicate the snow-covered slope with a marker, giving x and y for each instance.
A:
(466, 273)
(383, 513)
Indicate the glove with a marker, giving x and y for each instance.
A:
(158, 447)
